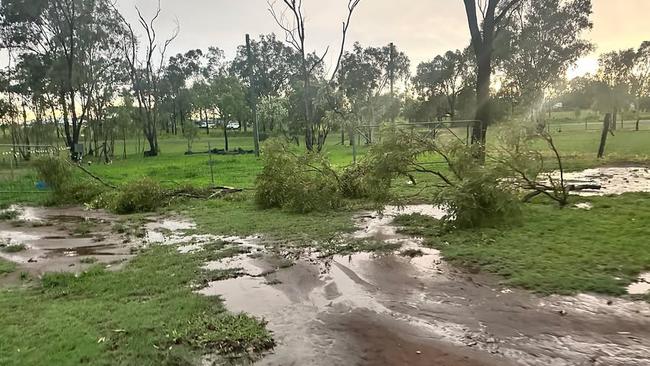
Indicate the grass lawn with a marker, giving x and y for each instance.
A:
(240, 216)
(145, 314)
(563, 251)
(6, 267)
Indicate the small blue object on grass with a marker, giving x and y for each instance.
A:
(41, 186)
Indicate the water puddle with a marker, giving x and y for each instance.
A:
(641, 287)
(587, 206)
(613, 180)
(94, 250)
(63, 239)
(406, 307)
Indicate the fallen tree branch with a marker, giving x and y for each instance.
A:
(208, 193)
(100, 180)
(541, 189)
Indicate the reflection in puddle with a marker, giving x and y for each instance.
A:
(85, 251)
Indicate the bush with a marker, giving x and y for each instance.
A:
(300, 183)
(145, 195)
(58, 174)
(55, 172)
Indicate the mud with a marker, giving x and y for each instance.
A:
(390, 309)
(63, 239)
(613, 180)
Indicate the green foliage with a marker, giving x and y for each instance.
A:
(54, 171)
(144, 195)
(354, 182)
(473, 194)
(478, 195)
(16, 248)
(301, 183)
(57, 173)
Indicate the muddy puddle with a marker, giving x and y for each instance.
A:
(393, 309)
(641, 286)
(62, 239)
(613, 180)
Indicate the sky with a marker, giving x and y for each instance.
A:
(421, 28)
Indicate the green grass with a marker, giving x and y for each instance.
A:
(145, 314)
(555, 250)
(13, 248)
(172, 168)
(6, 267)
(238, 215)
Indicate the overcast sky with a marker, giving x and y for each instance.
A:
(421, 28)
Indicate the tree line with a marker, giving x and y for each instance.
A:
(78, 72)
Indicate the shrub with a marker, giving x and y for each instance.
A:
(300, 183)
(144, 195)
(58, 174)
(55, 172)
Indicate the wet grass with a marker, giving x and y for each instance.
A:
(238, 215)
(9, 215)
(145, 314)
(6, 267)
(16, 248)
(562, 251)
(172, 168)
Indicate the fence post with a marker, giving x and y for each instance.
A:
(211, 164)
(354, 146)
(603, 137)
(11, 162)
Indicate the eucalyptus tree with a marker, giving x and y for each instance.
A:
(641, 78)
(616, 80)
(146, 66)
(181, 70)
(274, 65)
(539, 45)
(291, 19)
(446, 75)
(230, 101)
(273, 114)
(365, 73)
(484, 33)
(77, 37)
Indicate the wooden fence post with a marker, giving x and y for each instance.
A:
(603, 137)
